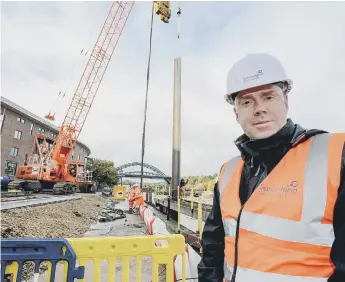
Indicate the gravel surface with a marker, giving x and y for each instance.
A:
(64, 220)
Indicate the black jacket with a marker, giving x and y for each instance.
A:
(260, 157)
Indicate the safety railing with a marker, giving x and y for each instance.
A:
(161, 197)
(75, 254)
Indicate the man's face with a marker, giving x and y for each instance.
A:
(261, 111)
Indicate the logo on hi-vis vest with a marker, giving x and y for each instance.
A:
(281, 191)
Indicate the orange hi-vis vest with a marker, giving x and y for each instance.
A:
(284, 232)
(137, 192)
(131, 195)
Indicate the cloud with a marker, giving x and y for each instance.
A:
(41, 44)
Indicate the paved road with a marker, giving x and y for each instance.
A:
(36, 202)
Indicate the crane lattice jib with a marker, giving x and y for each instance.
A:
(92, 76)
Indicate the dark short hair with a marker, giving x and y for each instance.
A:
(283, 85)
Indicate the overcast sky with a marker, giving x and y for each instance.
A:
(41, 43)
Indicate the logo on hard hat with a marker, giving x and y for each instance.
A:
(255, 76)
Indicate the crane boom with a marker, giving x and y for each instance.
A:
(49, 165)
(91, 79)
(51, 169)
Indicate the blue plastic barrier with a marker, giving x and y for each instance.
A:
(39, 250)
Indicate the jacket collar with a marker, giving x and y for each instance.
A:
(288, 136)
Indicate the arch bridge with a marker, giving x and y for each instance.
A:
(155, 173)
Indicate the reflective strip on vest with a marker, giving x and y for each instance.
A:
(227, 172)
(314, 200)
(316, 234)
(250, 275)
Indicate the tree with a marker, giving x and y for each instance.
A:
(103, 171)
(128, 182)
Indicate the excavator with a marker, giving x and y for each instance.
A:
(49, 167)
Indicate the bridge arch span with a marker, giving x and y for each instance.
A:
(155, 174)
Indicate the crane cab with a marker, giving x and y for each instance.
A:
(162, 9)
(76, 172)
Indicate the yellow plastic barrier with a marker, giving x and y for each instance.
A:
(200, 219)
(162, 250)
(124, 248)
(192, 198)
(13, 269)
(119, 192)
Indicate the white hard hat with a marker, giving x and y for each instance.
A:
(255, 70)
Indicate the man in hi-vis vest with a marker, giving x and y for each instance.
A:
(278, 212)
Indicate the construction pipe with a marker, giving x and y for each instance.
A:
(176, 154)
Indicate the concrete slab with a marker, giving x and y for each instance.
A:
(185, 207)
(190, 222)
(36, 202)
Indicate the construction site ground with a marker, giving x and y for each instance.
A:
(77, 218)
(132, 225)
(8, 197)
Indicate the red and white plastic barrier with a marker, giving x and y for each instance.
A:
(192, 260)
(141, 211)
(156, 226)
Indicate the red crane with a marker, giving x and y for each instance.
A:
(48, 167)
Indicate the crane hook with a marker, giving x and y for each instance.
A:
(178, 20)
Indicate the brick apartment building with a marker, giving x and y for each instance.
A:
(18, 127)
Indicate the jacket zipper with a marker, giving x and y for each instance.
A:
(233, 277)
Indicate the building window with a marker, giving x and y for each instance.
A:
(54, 135)
(35, 159)
(14, 151)
(41, 129)
(31, 128)
(20, 119)
(17, 134)
(78, 157)
(11, 168)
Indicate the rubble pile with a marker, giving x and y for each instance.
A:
(111, 213)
